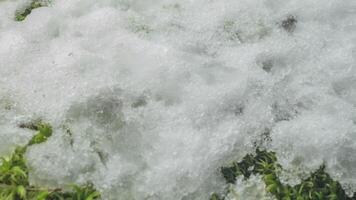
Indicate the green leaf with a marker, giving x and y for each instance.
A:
(45, 130)
(42, 195)
(93, 196)
(21, 191)
(272, 188)
(18, 171)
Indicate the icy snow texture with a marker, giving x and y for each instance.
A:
(250, 189)
(148, 98)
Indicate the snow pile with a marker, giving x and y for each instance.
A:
(149, 98)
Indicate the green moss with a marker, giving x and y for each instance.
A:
(215, 197)
(22, 14)
(14, 173)
(318, 186)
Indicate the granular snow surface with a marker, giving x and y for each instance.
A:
(149, 98)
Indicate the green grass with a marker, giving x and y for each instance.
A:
(318, 186)
(22, 14)
(14, 174)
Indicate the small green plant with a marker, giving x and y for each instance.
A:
(14, 183)
(318, 186)
(21, 15)
(215, 197)
(44, 132)
(13, 175)
(86, 192)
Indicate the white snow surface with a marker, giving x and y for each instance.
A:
(148, 98)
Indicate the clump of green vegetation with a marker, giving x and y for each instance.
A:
(215, 197)
(318, 186)
(21, 15)
(14, 174)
